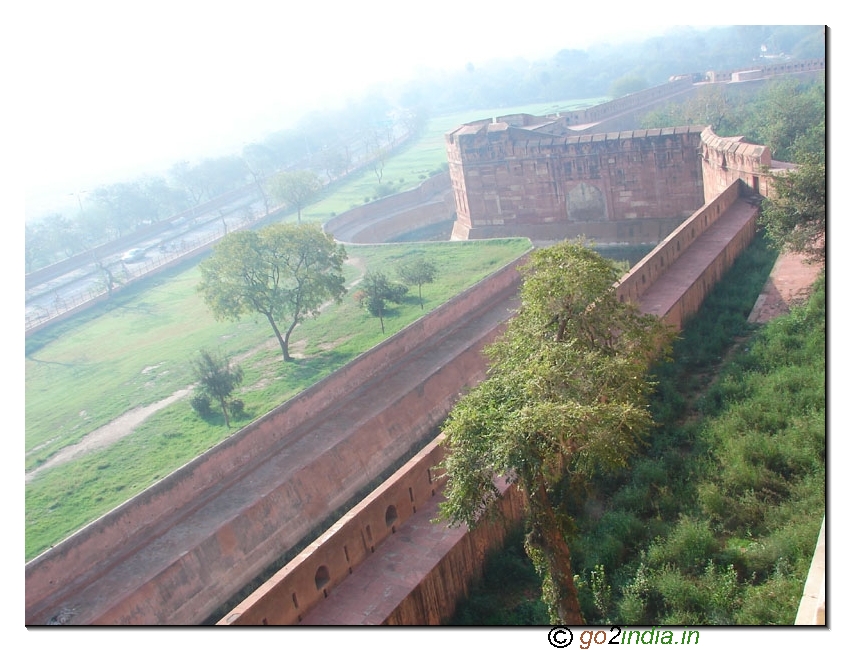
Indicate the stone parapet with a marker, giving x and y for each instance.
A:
(657, 262)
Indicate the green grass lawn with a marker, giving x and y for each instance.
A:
(138, 352)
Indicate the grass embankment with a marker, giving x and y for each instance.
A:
(137, 352)
(717, 522)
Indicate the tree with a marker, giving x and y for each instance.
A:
(295, 188)
(377, 291)
(795, 218)
(259, 161)
(217, 378)
(566, 396)
(418, 271)
(211, 177)
(783, 112)
(285, 272)
(126, 205)
(627, 84)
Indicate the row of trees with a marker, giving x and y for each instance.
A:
(285, 168)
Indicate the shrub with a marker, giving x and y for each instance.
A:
(237, 408)
(690, 545)
(201, 405)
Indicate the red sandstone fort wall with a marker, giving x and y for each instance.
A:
(623, 187)
(690, 297)
(646, 272)
(433, 599)
(311, 576)
(382, 220)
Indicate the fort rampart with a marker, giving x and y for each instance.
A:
(323, 565)
(627, 187)
(92, 573)
(384, 219)
(241, 537)
(646, 272)
(726, 160)
(307, 580)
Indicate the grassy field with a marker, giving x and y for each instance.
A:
(137, 352)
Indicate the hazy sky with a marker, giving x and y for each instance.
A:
(111, 88)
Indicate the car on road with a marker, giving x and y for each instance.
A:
(133, 255)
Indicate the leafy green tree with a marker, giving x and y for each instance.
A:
(285, 272)
(566, 395)
(296, 189)
(795, 219)
(376, 291)
(783, 112)
(418, 271)
(217, 378)
(126, 205)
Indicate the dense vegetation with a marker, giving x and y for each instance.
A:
(788, 115)
(716, 521)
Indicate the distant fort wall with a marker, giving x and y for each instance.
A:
(806, 66)
(384, 219)
(629, 187)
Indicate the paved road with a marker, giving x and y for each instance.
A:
(87, 282)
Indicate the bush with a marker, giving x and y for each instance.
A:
(385, 189)
(201, 405)
(237, 408)
(690, 545)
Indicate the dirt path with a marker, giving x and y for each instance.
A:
(109, 433)
(790, 283)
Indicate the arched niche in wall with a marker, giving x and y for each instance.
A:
(323, 577)
(391, 516)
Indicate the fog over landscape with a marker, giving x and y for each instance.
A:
(118, 92)
(112, 91)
